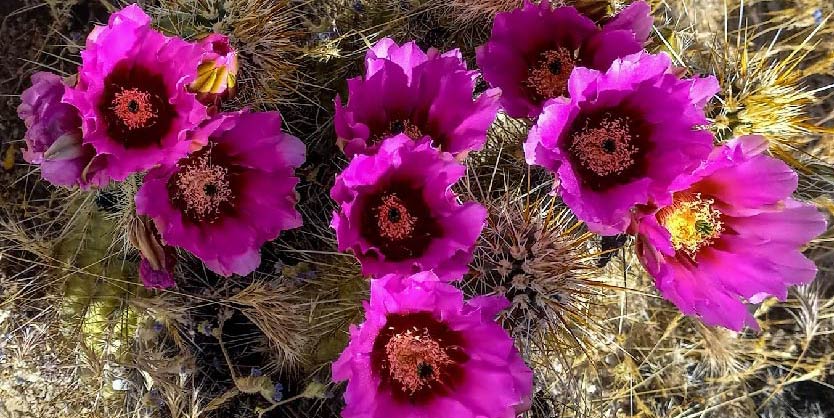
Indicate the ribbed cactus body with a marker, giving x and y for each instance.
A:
(98, 285)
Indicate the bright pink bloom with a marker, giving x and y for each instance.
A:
(425, 352)
(132, 95)
(731, 234)
(227, 199)
(408, 91)
(398, 214)
(622, 137)
(533, 49)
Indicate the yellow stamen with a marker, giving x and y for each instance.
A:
(692, 222)
(214, 79)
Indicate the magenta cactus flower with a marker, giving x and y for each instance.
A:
(622, 137)
(217, 74)
(425, 352)
(721, 242)
(231, 196)
(407, 91)
(156, 266)
(132, 94)
(53, 136)
(398, 214)
(533, 49)
(159, 277)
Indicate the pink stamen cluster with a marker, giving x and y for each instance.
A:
(134, 108)
(204, 187)
(393, 218)
(549, 77)
(607, 148)
(400, 126)
(415, 359)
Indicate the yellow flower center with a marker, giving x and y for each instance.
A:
(692, 222)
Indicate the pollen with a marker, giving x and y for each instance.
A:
(393, 218)
(400, 127)
(692, 222)
(415, 360)
(134, 108)
(203, 187)
(549, 76)
(607, 148)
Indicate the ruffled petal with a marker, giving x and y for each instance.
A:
(400, 160)
(756, 253)
(658, 107)
(426, 94)
(262, 158)
(495, 370)
(636, 18)
(53, 136)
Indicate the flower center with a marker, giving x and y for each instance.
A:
(418, 357)
(414, 359)
(400, 126)
(692, 222)
(607, 147)
(201, 187)
(548, 77)
(134, 108)
(398, 222)
(393, 219)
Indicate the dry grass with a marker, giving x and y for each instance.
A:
(468, 13)
(66, 320)
(775, 82)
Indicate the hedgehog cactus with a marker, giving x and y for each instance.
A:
(97, 288)
(537, 256)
